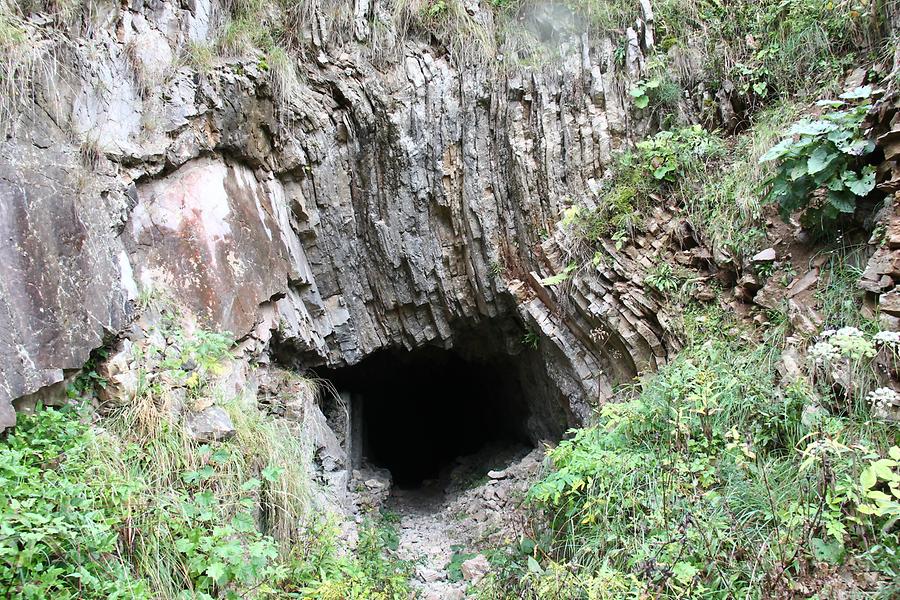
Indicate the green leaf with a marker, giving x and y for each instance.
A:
(859, 93)
(272, 473)
(876, 495)
(798, 170)
(534, 566)
(216, 571)
(250, 484)
(220, 456)
(862, 184)
(858, 147)
(867, 509)
(526, 546)
(820, 159)
(894, 452)
(830, 552)
(836, 185)
(842, 201)
(642, 101)
(559, 277)
(777, 151)
(883, 469)
(663, 171)
(814, 128)
(684, 572)
(243, 522)
(867, 479)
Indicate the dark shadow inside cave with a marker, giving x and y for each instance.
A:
(414, 412)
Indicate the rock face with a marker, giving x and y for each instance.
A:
(209, 231)
(371, 207)
(62, 266)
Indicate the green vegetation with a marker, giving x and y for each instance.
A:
(656, 92)
(716, 481)
(560, 277)
(671, 281)
(657, 167)
(59, 514)
(138, 509)
(726, 208)
(826, 155)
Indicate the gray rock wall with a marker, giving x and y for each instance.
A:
(375, 207)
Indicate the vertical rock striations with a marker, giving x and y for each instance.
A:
(372, 206)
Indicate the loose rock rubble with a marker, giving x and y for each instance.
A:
(437, 521)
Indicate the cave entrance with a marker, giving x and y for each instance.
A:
(415, 412)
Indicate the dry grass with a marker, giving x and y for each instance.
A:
(470, 40)
(28, 60)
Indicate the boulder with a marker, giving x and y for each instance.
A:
(476, 568)
(789, 367)
(890, 303)
(767, 255)
(798, 286)
(747, 287)
(121, 378)
(804, 319)
(372, 487)
(771, 295)
(209, 425)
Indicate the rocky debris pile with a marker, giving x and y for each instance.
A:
(371, 487)
(212, 424)
(462, 517)
(882, 274)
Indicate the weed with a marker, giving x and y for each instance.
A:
(531, 340)
(820, 170)
(560, 277)
(200, 56)
(27, 59)
(91, 154)
(282, 75)
(662, 278)
(58, 531)
(725, 209)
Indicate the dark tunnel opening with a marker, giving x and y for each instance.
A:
(416, 412)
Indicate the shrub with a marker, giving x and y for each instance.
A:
(137, 506)
(59, 525)
(821, 170)
(670, 155)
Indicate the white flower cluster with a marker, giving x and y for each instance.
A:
(888, 338)
(823, 352)
(848, 332)
(883, 398)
